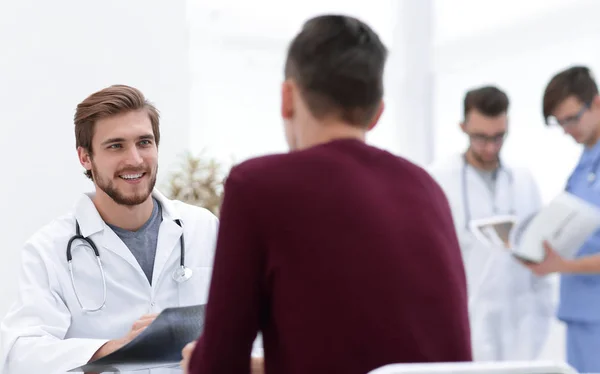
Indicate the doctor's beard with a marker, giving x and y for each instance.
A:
(486, 163)
(109, 188)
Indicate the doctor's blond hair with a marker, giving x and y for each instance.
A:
(109, 102)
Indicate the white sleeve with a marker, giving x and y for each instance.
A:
(542, 313)
(257, 346)
(543, 289)
(539, 314)
(444, 178)
(33, 332)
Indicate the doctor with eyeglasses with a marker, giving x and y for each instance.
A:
(571, 101)
(93, 279)
(510, 308)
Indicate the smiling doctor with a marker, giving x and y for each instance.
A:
(153, 252)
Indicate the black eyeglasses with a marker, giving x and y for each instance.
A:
(571, 120)
(482, 139)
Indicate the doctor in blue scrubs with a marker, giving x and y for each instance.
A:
(571, 101)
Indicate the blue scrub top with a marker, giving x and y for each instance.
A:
(580, 294)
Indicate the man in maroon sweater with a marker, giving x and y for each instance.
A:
(343, 255)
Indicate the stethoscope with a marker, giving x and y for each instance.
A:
(465, 192)
(591, 177)
(180, 275)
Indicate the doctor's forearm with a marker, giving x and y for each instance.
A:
(32, 354)
(108, 348)
(582, 265)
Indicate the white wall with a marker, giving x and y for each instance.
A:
(238, 53)
(55, 53)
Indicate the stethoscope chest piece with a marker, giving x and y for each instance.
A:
(591, 177)
(182, 274)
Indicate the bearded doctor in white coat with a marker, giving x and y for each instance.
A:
(135, 230)
(510, 308)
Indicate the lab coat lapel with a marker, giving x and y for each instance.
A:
(168, 236)
(168, 240)
(112, 242)
(480, 199)
(505, 193)
(483, 202)
(91, 223)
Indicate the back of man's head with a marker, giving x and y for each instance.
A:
(338, 63)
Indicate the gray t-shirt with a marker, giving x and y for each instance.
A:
(489, 177)
(142, 243)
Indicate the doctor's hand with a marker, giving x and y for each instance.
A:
(139, 326)
(552, 263)
(113, 345)
(257, 364)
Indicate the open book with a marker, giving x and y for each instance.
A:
(566, 223)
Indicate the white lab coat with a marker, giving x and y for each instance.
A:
(46, 331)
(510, 308)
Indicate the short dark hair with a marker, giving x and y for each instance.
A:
(489, 100)
(575, 81)
(338, 63)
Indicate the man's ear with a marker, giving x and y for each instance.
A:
(85, 158)
(287, 100)
(463, 126)
(377, 116)
(596, 102)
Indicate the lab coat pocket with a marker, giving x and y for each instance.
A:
(194, 291)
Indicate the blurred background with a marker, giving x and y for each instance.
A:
(214, 67)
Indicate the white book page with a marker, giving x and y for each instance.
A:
(566, 223)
